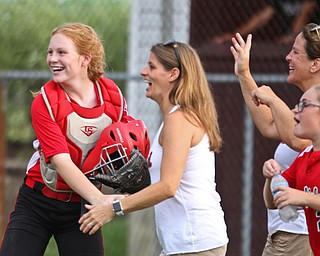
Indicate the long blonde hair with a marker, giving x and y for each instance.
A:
(191, 91)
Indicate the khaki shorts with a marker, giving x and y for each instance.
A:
(220, 251)
(287, 244)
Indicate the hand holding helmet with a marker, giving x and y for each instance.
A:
(119, 158)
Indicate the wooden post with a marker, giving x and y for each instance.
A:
(2, 157)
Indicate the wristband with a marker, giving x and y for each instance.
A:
(117, 208)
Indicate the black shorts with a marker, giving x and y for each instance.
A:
(37, 218)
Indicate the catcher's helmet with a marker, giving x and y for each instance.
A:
(114, 146)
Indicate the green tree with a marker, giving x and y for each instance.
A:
(25, 33)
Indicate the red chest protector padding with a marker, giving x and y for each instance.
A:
(59, 107)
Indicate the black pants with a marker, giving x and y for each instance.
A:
(36, 218)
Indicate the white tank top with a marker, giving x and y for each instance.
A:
(285, 156)
(193, 219)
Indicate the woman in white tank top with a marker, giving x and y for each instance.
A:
(189, 217)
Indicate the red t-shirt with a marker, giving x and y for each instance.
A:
(304, 174)
(52, 139)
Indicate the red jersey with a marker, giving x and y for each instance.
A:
(63, 126)
(304, 174)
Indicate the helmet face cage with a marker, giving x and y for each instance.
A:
(115, 145)
(112, 158)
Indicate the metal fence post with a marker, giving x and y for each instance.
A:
(2, 157)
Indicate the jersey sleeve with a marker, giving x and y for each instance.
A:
(49, 134)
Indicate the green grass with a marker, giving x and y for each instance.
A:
(115, 239)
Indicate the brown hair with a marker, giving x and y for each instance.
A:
(191, 90)
(312, 38)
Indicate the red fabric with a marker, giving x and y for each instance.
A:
(52, 134)
(61, 196)
(304, 174)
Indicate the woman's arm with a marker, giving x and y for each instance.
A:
(176, 138)
(255, 22)
(303, 16)
(261, 114)
(270, 167)
(78, 182)
(283, 117)
(270, 114)
(267, 195)
(291, 196)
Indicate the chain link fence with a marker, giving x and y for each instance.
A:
(239, 165)
(128, 29)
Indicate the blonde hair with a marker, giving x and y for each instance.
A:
(87, 43)
(191, 91)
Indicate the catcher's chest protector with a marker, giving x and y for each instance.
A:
(82, 127)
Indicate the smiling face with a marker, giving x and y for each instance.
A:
(64, 60)
(308, 120)
(158, 79)
(299, 64)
